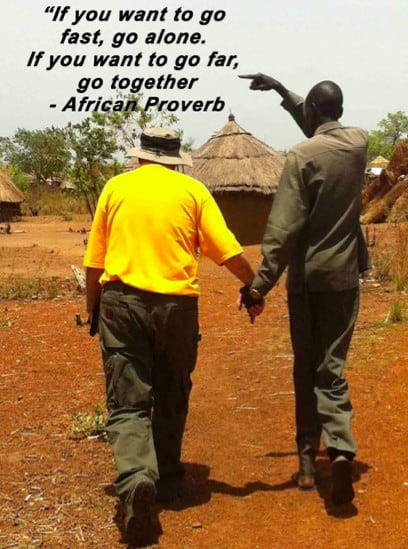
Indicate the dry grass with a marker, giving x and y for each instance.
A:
(18, 287)
(391, 262)
(397, 314)
(48, 201)
(38, 285)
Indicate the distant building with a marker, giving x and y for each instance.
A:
(375, 167)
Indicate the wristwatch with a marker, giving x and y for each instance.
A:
(255, 294)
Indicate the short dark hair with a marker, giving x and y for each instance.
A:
(327, 98)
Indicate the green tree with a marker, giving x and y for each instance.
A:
(187, 144)
(390, 130)
(129, 125)
(43, 153)
(94, 144)
(20, 179)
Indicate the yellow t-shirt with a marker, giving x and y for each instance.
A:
(148, 225)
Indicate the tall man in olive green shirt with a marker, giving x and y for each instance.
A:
(314, 229)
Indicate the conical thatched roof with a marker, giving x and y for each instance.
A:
(233, 160)
(8, 191)
(379, 162)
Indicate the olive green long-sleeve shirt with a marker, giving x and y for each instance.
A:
(314, 222)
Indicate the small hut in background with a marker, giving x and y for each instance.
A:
(242, 173)
(375, 168)
(10, 199)
(379, 162)
(67, 185)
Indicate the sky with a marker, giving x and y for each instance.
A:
(360, 44)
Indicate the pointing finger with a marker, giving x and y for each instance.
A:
(249, 76)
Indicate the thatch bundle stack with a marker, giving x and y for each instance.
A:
(399, 211)
(377, 187)
(399, 160)
(386, 197)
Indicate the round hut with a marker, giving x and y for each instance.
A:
(10, 199)
(242, 173)
(379, 162)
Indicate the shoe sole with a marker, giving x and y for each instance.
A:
(342, 490)
(139, 526)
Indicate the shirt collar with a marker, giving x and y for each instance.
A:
(328, 126)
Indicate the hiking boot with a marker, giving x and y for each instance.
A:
(139, 525)
(305, 478)
(304, 482)
(342, 483)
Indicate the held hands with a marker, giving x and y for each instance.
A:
(263, 82)
(252, 301)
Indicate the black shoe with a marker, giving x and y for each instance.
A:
(139, 525)
(342, 482)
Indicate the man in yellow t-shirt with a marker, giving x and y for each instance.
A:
(141, 265)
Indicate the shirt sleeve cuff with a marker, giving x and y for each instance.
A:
(93, 265)
(291, 100)
(259, 284)
(225, 257)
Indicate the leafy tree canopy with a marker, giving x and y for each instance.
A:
(390, 130)
(43, 153)
(93, 143)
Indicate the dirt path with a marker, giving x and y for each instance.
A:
(40, 246)
(239, 444)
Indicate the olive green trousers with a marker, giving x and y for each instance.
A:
(149, 349)
(321, 327)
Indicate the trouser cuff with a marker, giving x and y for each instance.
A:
(334, 453)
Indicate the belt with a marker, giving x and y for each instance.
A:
(119, 286)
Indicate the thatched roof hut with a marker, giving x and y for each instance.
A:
(379, 162)
(10, 198)
(242, 173)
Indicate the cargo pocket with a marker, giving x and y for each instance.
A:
(126, 357)
(182, 337)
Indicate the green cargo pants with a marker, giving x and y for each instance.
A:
(149, 349)
(321, 327)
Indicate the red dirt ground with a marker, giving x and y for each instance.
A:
(239, 445)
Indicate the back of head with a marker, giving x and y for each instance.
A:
(327, 99)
